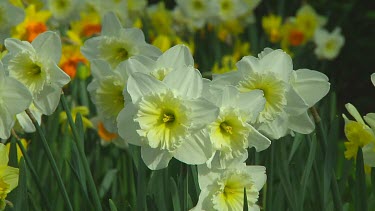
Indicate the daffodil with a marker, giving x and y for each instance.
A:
(25, 122)
(117, 44)
(8, 175)
(19, 151)
(272, 26)
(200, 11)
(230, 9)
(308, 20)
(223, 189)
(106, 91)
(360, 134)
(231, 133)
(82, 110)
(14, 99)
(88, 25)
(328, 45)
(10, 16)
(286, 93)
(71, 58)
(172, 59)
(165, 117)
(35, 65)
(33, 24)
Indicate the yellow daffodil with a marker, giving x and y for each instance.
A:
(8, 175)
(272, 26)
(308, 21)
(71, 57)
(33, 24)
(360, 134)
(83, 110)
(19, 152)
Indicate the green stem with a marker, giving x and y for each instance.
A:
(34, 174)
(82, 155)
(51, 160)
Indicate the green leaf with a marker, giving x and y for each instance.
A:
(107, 181)
(307, 170)
(360, 199)
(22, 203)
(175, 195)
(112, 205)
(13, 159)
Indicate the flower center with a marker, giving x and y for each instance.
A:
(274, 91)
(168, 118)
(226, 128)
(197, 5)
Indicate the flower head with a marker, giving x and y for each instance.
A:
(35, 65)
(165, 117)
(117, 44)
(328, 45)
(224, 189)
(272, 26)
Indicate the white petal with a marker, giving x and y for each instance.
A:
(203, 197)
(354, 112)
(135, 37)
(141, 64)
(140, 84)
(100, 68)
(155, 159)
(196, 149)
(127, 128)
(58, 76)
(6, 123)
(248, 65)
(149, 50)
(25, 121)
(369, 155)
(295, 104)
(111, 25)
(48, 99)
(187, 81)
(176, 56)
(370, 120)
(207, 176)
(275, 129)
(48, 46)
(311, 85)
(14, 45)
(301, 123)
(258, 140)
(203, 112)
(258, 174)
(278, 62)
(17, 97)
(373, 79)
(252, 102)
(90, 48)
(230, 78)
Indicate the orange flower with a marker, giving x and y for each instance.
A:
(104, 134)
(71, 57)
(296, 37)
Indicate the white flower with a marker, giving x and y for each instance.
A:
(288, 93)
(35, 65)
(231, 134)
(117, 44)
(10, 16)
(224, 189)
(14, 98)
(172, 59)
(25, 122)
(328, 45)
(166, 117)
(198, 11)
(373, 78)
(106, 91)
(228, 10)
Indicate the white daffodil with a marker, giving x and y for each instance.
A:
(167, 116)
(117, 44)
(106, 91)
(172, 59)
(14, 98)
(224, 189)
(10, 16)
(199, 11)
(35, 65)
(231, 134)
(288, 93)
(328, 45)
(228, 10)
